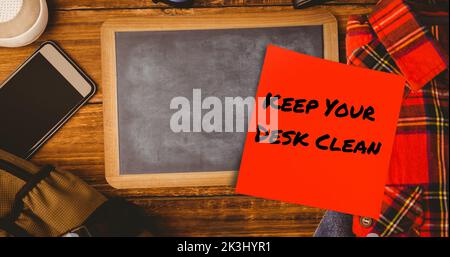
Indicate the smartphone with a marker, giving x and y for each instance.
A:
(39, 97)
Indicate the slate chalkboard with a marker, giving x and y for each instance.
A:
(152, 67)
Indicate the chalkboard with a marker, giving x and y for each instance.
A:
(149, 62)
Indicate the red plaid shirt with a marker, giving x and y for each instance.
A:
(410, 38)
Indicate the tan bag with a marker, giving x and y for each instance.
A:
(43, 201)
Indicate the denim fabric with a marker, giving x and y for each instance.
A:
(335, 224)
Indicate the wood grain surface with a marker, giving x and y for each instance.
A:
(78, 146)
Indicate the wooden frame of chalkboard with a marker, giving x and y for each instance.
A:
(197, 22)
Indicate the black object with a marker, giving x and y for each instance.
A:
(116, 217)
(35, 101)
(300, 4)
(177, 3)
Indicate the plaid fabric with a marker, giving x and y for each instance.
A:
(408, 42)
(410, 38)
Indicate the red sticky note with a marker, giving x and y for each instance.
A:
(333, 140)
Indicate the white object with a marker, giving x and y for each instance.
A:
(9, 9)
(22, 21)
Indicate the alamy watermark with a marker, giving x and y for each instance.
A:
(228, 114)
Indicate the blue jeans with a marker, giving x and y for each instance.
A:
(335, 224)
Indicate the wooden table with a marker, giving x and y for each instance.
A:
(78, 146)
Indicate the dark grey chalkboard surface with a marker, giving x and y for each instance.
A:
(149, 61)
(153, 67)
